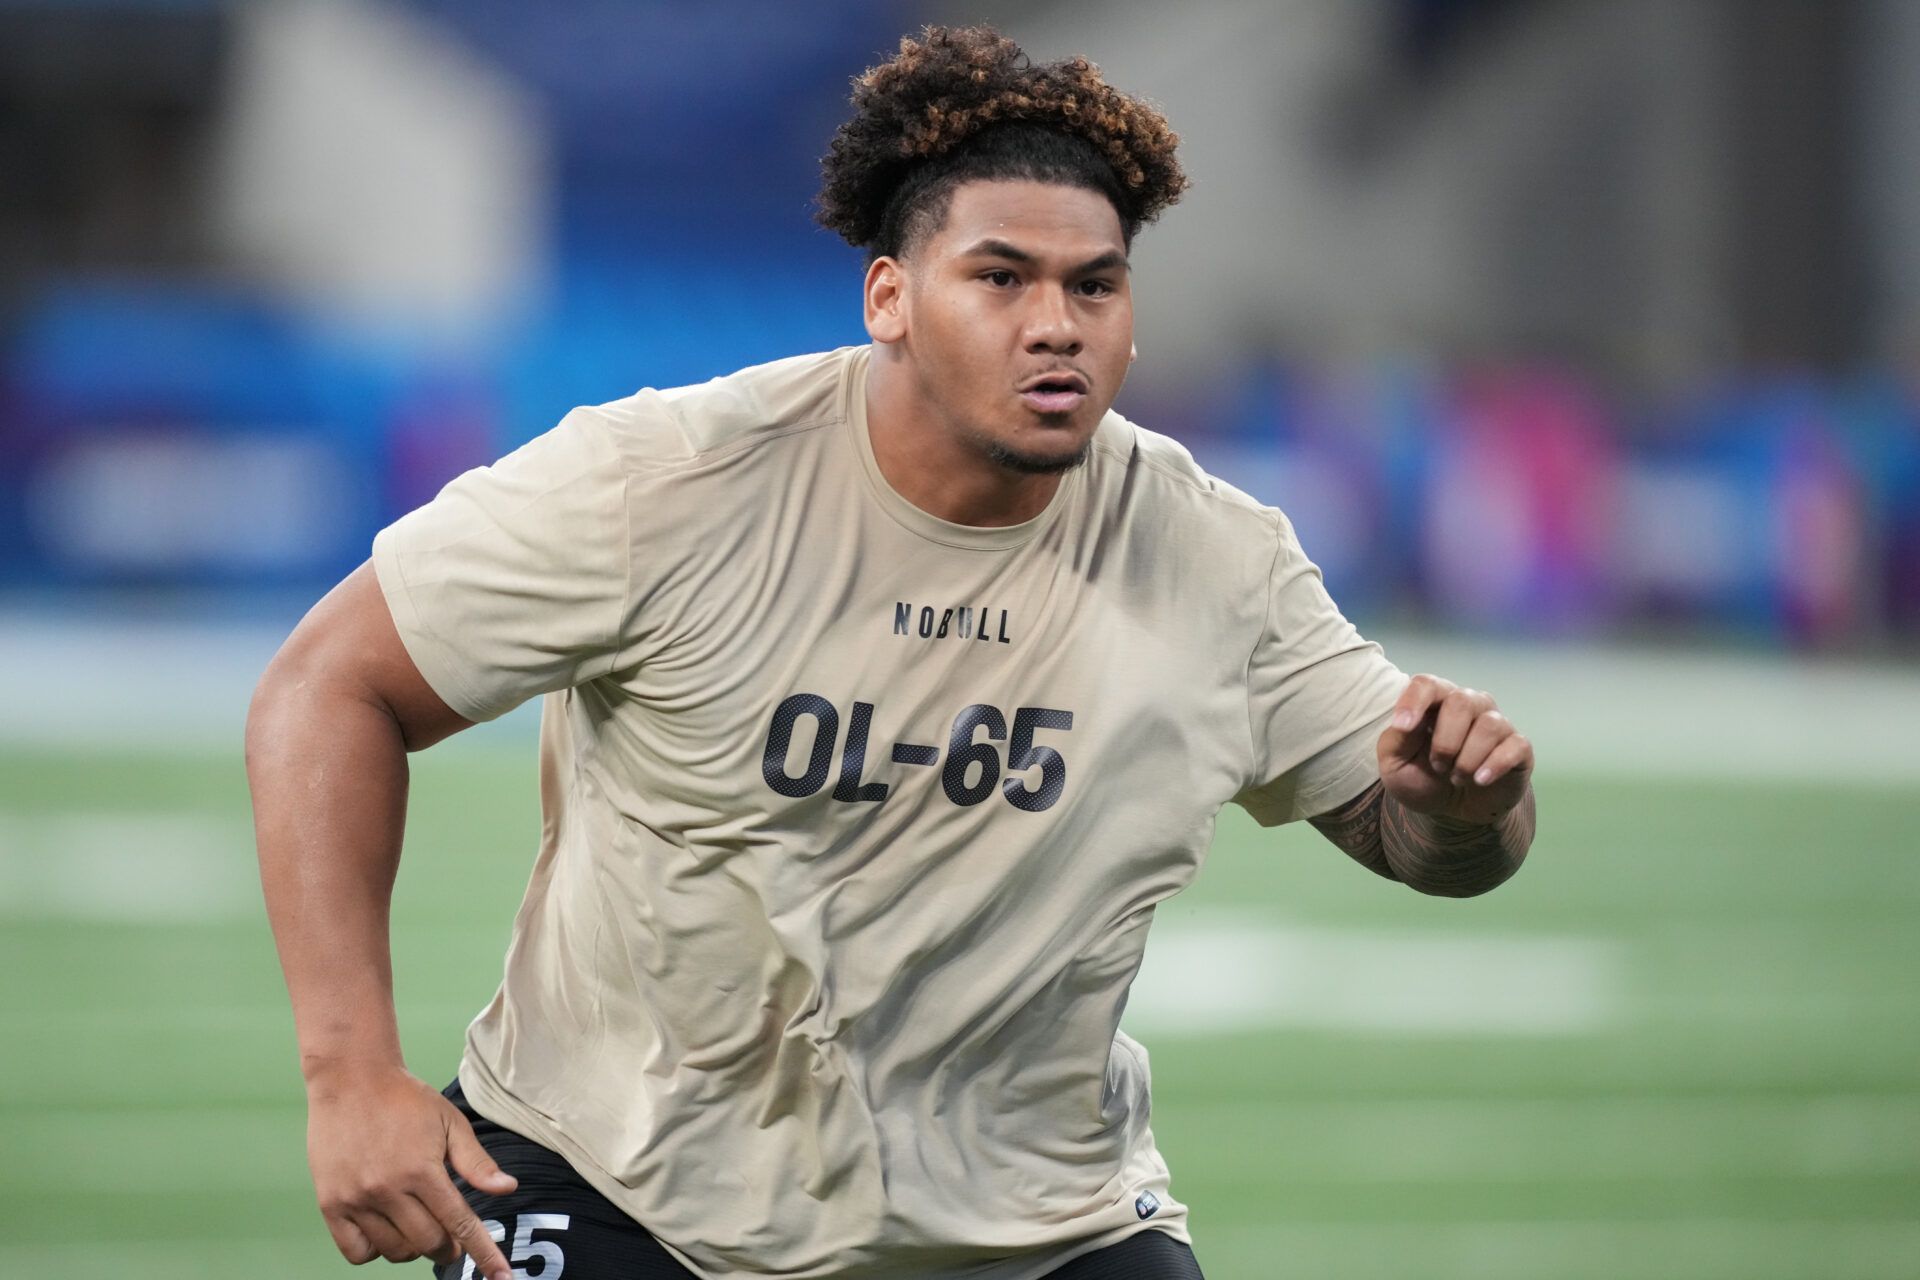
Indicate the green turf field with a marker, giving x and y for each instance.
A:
(1732, 1091)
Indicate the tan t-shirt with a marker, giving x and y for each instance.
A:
(855, 819)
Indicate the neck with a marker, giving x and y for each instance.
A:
(931, 464)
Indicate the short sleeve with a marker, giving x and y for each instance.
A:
(512, 582)
(1318, 697)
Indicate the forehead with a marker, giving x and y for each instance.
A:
(1040, 217)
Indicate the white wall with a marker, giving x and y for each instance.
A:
(378, 170)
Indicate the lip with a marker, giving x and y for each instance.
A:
(1054, 401)
(1065, 376)
(1070, 396)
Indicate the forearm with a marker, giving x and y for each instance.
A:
(1434, 855)
(328, 768)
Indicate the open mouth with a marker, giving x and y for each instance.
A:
(1054, 395)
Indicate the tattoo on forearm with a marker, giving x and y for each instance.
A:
(1434, 855)
(1455, 859)
(1355, 828)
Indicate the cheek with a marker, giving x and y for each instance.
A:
(949, 358)
(967, 345)
(1117, 348)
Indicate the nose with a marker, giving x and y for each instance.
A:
(1051, 325)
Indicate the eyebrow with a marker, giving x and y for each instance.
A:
(991, 248)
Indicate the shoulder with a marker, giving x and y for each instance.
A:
(1167, 481)
(677, 426)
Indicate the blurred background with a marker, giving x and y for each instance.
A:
(1580, 339)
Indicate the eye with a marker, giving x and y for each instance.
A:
(1096, 288)
(999, 278)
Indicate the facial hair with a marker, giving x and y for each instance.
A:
(1035, 464)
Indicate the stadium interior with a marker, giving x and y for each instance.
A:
(1578, 338)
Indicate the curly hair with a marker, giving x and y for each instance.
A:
(964, 103)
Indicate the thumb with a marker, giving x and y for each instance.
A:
(471, 1161)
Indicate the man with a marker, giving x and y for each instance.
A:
(888, 691)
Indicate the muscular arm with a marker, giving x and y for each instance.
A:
(328, 733)
(1437, 855)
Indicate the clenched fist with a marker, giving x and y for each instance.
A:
(1450, 753)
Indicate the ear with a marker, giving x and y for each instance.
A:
(886, 300)
(1133, 354)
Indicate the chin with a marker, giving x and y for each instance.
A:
(1037, 462)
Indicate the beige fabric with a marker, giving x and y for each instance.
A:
(862, 1022)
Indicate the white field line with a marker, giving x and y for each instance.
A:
(1230, 974)
(109, 681)
(1677, 1248)
(160, 867)
(1222, 974)
(1635, 713)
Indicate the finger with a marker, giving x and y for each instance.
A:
(467, 1232)
(471, 1161)
(1406, 733)
(1422, 691)
(349, 1239)
(424, 1233)
(1455, 721)
(1513, 756)
(1490, 729)
(387, 1240)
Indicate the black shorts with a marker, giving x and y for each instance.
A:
(555, 1219)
